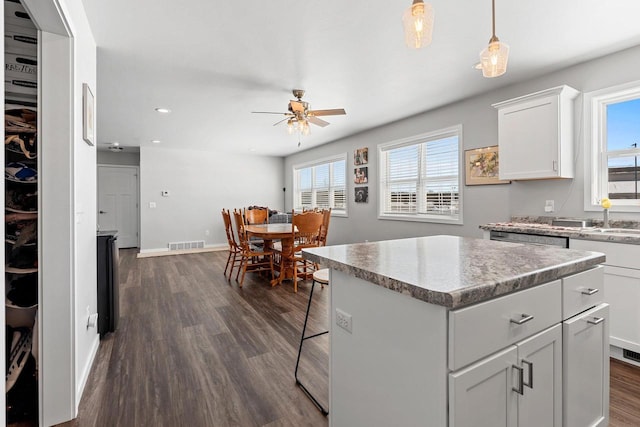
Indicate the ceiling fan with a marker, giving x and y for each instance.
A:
(299, 115)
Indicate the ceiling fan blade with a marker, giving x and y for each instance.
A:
(296, 106)
(333, 112)
(267, 112)
(318, 122)
(280, 121)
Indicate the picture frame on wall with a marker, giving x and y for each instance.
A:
(361, 156)
(482, 166)
(361, 175)
(88, 115)
(362, 194)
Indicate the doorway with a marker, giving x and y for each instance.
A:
(118, 203)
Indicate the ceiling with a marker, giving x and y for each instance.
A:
(213, 62)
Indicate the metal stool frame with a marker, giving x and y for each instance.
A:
(302, 339)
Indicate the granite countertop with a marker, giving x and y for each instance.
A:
(615, 235)
(453, 271)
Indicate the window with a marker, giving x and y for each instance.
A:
(613, 137)
(420, 178)
(321, 184)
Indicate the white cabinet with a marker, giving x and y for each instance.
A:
(621, 292)
(586, 368)
(535, 134)
(519, 386)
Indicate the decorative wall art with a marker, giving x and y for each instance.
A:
(362, 194)
(482, 166)
(361, 156)
(88, 115)
(361, 175)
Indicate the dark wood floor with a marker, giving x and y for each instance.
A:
(193, 349)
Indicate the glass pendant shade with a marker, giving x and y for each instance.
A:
(494, 58)
(417, 21)
(290, 127)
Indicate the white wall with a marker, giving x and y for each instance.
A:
(122, 158)
(201, 183)
(67, 207)
(482, 204)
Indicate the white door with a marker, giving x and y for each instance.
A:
(586, 368)
(482, 395)
(541, 358)
(118, 203)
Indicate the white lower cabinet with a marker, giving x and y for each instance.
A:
(519, 386)
(586, 368)
(623, 294)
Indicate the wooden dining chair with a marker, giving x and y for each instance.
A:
(252, 259)
(305, 228)
(324, 231)
(234, 257)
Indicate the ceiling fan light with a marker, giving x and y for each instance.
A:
(417, 21)
(494, 58)
(290, 128)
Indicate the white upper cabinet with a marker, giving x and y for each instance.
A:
(535, 134)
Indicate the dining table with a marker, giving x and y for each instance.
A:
(270, 232)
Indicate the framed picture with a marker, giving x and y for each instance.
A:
(362, 194)
(482, 166)
(88, 115)
(361, 175)
(361, 156)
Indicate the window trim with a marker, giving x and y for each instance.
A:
(594, 107)
(455, 130)
(321, 161)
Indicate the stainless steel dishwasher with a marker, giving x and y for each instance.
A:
(534, 239)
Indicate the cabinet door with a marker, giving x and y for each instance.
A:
(586, 368)
(541, 358)
(529, 139)
(482, 396)
(622, 292)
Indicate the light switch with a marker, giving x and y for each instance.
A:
(152, 205)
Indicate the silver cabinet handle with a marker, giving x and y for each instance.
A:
(530, 381)
(596, 320)
(590, 291)
(520, 388)
(103, 212)
(524, 319)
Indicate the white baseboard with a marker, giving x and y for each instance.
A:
(85, 373)
(147, 253)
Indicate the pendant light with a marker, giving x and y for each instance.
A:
(494, 57)
(417, 21)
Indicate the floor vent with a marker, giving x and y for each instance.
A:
(180, 246)
(632, 355)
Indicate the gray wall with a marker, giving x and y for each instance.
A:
(201, 183)
(482, 204)
(122, 159)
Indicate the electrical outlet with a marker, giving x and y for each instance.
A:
(549, 206)
(343, 320)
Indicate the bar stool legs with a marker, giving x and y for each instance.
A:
(321, 277)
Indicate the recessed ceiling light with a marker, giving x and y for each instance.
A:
(163, 110)
(155, 141)
(252, 149)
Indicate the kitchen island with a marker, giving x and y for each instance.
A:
(451, 331)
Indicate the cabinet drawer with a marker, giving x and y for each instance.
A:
(618, 254)
(582, 291)
(481, 329)
(15, 14)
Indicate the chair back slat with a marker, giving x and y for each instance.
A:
(228, 228)
(242, 232)
(308, 225)
(256, 216)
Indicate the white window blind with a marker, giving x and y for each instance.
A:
(321, 185)
(420, 178)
